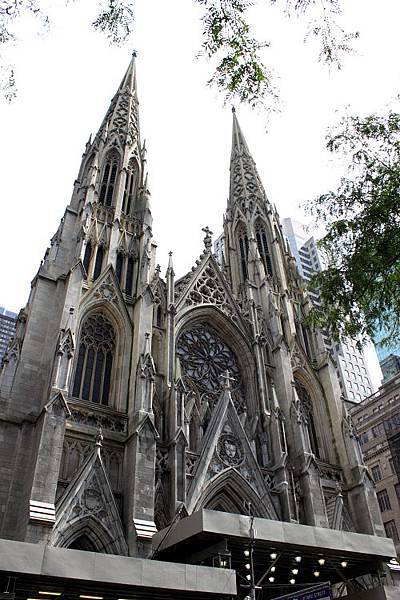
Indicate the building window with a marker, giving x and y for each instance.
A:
(391, 465)
(378, 430)
(244, 251)
(109, 179)
(263, 249)
(99, 262)
(95, 360)
(364, 438)
(391, 530)
(129, 190)
(129, 277)
(383, 501)
(87, 257)
(376, 473)
(118, 266)
(397, 490)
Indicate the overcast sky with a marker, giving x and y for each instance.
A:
(67, 78)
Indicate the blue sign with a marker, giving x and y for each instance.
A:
(320, 592)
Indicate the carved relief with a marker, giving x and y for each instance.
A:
(75, 452)
(209, 290)
(107, 422)
(230, 450)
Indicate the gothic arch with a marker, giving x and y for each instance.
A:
(86, 167)
(131, 185)
(232, 336)
(94, 303)
(263, 235)
(319, 411)
(227, 491)
(91, 529)
(242, 248)
(109, 177)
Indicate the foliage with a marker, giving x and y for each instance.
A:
(360, 285)
(116, 20)
(240, 72)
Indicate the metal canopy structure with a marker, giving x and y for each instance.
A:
(44, 572)
(293, 555)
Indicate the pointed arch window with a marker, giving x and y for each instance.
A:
(119, 266)
(307, 407)
(129, 276)
(130, 185)
(87, 257)
(99, 262)
(93, 370)
(263, 248)
(109, 178)
(243, 251)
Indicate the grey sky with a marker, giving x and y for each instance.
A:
(67, 78)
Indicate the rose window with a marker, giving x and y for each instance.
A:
(204, 357)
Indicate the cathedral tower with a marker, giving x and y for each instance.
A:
(129, 401)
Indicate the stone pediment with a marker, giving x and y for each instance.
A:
(106, 290)
(226, 448)
(207, 285)
(88, 507)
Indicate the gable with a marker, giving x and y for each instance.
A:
(207, 285)
(88, 504)
(227, 449)
(106, 291)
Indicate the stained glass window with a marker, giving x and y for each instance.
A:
(109, 179)
(95, 358)
(204, 357)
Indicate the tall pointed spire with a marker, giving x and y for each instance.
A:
(245, 184)
(121, 120)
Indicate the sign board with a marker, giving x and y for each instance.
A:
(316, 592)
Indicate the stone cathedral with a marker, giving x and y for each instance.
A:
(130, 401)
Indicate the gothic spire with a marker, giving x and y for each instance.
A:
(245, 184)
(121, 121)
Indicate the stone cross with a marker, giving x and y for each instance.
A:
(226, 380)
(207, 240)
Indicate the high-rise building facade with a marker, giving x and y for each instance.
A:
(8, 321)
(377, 420)
(151, 417)
(351, 364)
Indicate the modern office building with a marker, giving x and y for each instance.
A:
(8, 321)
(383, 351)
(175, 438)
(377, 420)
(351, 364)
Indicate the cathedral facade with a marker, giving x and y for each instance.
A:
(129, 401)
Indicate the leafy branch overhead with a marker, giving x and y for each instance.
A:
(239, 73)
(360, 286)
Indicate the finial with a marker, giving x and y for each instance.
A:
(69, 318)
(146, 343)
(134, 53)
(158, 270)
(170, 268)
(207, 240)
(98, 438)
(233, 109)
(226, 380)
